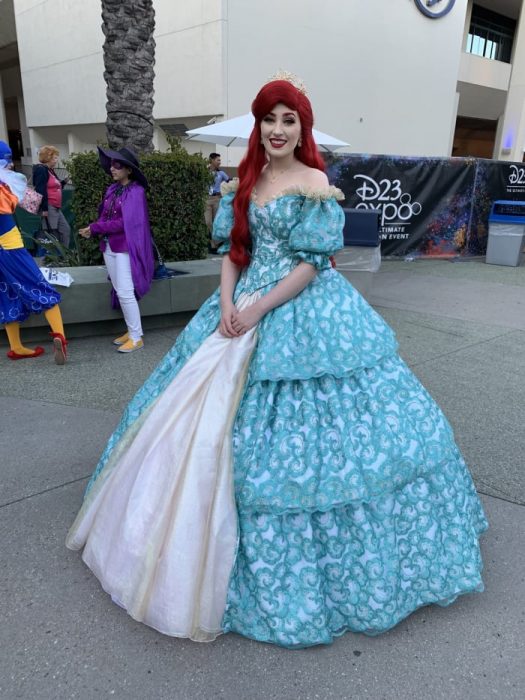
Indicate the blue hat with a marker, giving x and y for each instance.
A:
(5, 152)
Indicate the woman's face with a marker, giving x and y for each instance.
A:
(119, 172)
(52, 162)
(280, 131)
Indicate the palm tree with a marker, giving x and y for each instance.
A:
(129, 60)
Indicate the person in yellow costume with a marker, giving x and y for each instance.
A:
(23, 289)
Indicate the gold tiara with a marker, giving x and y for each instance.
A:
(290, 78)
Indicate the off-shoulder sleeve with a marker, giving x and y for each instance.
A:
(223, 222)
(319, 233)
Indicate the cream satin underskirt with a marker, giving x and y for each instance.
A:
(159, 526)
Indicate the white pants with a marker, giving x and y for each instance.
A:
(119, 270)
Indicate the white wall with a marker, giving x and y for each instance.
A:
(189, 67)
(63, 84)
(380, 75)
(478, 70)
(60, 49)
(63, 78)
(510, 143)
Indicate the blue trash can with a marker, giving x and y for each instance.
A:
(362, 252)
(506, 233)
(361, 227)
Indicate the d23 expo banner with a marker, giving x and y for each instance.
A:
(427, 206)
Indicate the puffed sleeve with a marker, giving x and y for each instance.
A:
(319, 233)
(223, 222)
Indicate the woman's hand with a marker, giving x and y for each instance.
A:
(225, 326)
(85, 232)
(242, 321)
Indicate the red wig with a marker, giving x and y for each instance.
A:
(271, 94)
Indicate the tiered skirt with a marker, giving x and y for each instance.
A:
(289, 485)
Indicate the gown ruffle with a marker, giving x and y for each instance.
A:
(350, 505)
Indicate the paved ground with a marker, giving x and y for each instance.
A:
(461, 327)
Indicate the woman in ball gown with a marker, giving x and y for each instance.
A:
(282, 474)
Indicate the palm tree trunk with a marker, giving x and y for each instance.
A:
(129, 60)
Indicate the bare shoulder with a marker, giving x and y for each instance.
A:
(314, 179)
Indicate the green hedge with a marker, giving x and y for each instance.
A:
(178, 184)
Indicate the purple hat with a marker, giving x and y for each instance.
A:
(127, 158)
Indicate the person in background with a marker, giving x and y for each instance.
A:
(23, 289)
(47, 183)
(125, 240)
(214, 195)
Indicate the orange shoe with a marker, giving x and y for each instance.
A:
(121, 339)
(131, 346)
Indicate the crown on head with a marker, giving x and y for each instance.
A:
(290, 78)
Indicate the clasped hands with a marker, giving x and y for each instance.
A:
(235, 323)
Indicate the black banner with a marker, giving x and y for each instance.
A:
(495, 179)
(428, 206)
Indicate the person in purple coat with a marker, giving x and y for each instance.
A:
(125, 240)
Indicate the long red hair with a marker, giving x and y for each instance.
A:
(271, 94)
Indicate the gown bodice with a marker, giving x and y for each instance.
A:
(328, 327)
(271, 259)
(296, 225)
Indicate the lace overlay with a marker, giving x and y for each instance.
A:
(320, 443)
(303, 578)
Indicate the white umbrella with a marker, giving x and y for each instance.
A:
(236, 132)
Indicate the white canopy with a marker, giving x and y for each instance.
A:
(236, 132)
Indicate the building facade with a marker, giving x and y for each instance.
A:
(381, 74)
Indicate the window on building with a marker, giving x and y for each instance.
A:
(490, 34)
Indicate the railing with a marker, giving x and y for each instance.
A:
(490, 42)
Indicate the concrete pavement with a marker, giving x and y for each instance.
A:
(461, 327)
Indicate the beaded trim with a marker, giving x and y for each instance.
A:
(330, 192)
(318, 195)
(231, 186)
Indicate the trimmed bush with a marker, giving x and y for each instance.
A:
(178, 185)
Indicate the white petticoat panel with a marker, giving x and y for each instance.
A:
(159, 526)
